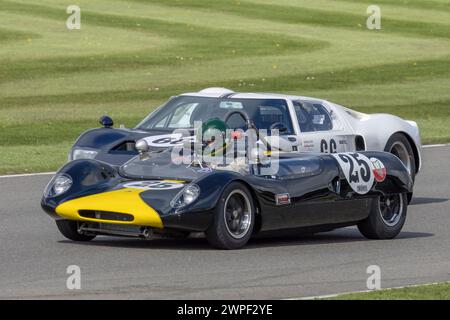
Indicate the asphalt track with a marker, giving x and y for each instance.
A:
(34, 256)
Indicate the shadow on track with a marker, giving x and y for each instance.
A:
(426, 200)
(278, 239)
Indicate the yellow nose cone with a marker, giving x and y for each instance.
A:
(126, 201)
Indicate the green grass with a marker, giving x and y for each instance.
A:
(130, 56)
(13, 35)
(426, 292)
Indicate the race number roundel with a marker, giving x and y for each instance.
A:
(164, 140)
(358, 171)
(154, 185)
(379, 170)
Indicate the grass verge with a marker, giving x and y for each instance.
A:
(440, 291)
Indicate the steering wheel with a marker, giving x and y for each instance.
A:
(249, 123)
(244, 115)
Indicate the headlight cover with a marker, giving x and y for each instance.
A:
(58, 185)
(83, 154)
(187, 196)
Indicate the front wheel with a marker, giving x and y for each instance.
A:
(386, 218)
(69, 229)
(400, 147)
(234, 218)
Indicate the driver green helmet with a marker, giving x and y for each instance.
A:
(210, 129)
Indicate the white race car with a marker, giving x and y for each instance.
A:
(305, 125)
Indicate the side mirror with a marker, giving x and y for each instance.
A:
(142, 146)
(106, 122)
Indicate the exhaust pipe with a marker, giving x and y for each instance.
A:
(103, 229)
(147, 233)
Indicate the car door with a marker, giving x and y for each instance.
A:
(321, 129)
(314, 186)
(311, 189)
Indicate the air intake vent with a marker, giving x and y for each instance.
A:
(216, 91)
(105, 215)
(127, 146)
(359, 143)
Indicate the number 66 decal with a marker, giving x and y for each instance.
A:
(360, 171)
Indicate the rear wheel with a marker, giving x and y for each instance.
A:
(69, 229)
(386, 218)
(234, 218)
(399, 146)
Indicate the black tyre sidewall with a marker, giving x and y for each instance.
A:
(69, 229)
(218, 234)
(373, 227)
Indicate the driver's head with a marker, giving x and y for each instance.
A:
(213, 130)
(214, 134)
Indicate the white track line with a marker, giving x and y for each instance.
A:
(51, 173)
(27, 175)
(365, 291)
(436, 145)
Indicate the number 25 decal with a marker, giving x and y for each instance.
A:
(362, 167)
(324, 146)
(360, 171)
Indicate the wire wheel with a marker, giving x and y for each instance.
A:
(237, 214)
(391, 209)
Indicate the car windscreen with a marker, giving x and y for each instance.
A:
(159, 165)
(183, 111)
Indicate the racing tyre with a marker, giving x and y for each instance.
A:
(234, 218)
(386, 218)
(69, 229)
(399, 146)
